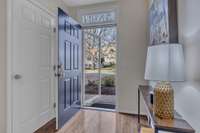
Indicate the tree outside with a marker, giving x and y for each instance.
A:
(100, 60)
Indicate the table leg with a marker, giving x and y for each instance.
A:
(138, 106)
(156, 130)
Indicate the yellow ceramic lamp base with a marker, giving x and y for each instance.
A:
(164, 100)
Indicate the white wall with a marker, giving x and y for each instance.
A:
(53, 5)
(132, 46)
(3, 66)
(187, 94)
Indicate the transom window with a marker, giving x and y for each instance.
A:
(99, 18)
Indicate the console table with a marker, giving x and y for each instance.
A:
(177, 125)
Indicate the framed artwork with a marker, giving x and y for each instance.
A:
(163, 21)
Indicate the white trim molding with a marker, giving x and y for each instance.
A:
(97, 10)
(9, 66)
(9, 58)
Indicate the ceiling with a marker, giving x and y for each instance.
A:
(84, 2)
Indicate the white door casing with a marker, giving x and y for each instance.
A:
(32, 67)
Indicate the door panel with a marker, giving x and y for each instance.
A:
(33, 87)
(75, 56)
(76, 89)
(68, 53)
(67, 89)
(69, 67)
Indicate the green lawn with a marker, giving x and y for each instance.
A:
(106, 70)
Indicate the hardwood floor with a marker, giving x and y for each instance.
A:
(92, 121)
(50, 127)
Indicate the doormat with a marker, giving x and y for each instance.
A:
(105, 106)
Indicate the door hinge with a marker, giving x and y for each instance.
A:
(54, 30)
(54, 68)
(54, 105)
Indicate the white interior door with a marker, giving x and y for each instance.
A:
(33, 94)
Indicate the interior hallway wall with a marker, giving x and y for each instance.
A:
(3, 66)
(132, 48)
(187, 94)
(53, 5)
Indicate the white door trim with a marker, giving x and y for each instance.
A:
(9, 59)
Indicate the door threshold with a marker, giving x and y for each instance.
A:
(98, 109)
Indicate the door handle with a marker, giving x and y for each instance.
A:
(17, 76)
(60, 72)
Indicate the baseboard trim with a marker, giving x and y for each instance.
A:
(135, 115)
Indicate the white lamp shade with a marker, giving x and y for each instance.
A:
(165, 62)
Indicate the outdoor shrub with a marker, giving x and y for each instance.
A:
(92, 83)
(108, 81)
(91, 87)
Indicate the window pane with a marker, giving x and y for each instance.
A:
(92, 76)
(100, 67)
(99, 18)
(108, 62)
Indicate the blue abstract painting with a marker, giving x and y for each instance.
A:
(159, 22)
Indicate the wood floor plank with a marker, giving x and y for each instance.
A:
(92, 121)
(50, 127)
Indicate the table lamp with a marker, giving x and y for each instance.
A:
(164, 64)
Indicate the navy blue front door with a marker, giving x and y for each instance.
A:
(70, 62)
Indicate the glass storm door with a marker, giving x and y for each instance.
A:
(100, 61)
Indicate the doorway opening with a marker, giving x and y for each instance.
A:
(100, 58)
(100, 47)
